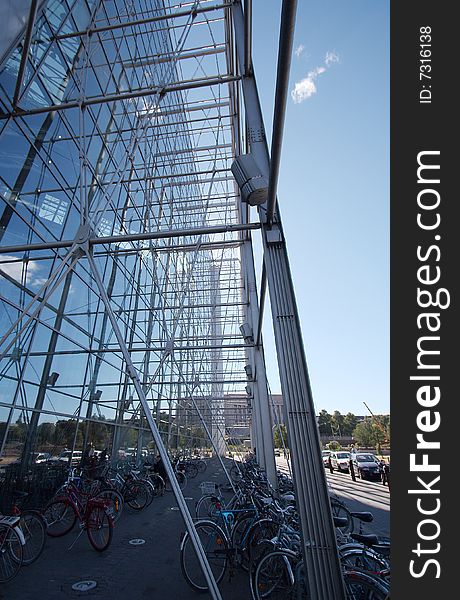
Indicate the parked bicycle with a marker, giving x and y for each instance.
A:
(11, 545)
(94, 516)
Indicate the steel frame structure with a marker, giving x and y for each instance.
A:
(125, 247)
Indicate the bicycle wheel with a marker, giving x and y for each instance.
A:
(192, 470)
(260, 531)
(150, 490)
(274, 576)
(362, 558)
(236, 474)
(239, 536)
(60, 517)
(33, 528)
(202, 466)
(137, 495)
(205, 507)
(114, 501)
(215, 545)
(159, 485)
(340, 510)
(10, 553)
(99, 527)
(182, 479)
(361, 586)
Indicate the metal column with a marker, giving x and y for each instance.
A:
(261, 400)
(323, 571)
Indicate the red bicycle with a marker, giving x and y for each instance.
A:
(94, 515)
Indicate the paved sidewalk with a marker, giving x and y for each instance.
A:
(152, 570)
(124, 571)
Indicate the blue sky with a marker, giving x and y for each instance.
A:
(334, 192)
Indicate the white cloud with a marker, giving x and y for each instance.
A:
(305, 88)
(316, 72)
(299, 50)
(331, 58)
(16, 271)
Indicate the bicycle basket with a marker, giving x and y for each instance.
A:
(208, 487)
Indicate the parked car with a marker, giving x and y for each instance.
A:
(67, 454)
(326, 454)
(366, 466)
(36, 457)
(340, 460)
(41, 457)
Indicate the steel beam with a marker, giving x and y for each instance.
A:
(25, 50)
(247, 37)
(172, 15)
(143, 93)
(286, 39)
(263, 290)
(134, 237)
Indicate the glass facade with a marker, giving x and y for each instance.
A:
(119, 139)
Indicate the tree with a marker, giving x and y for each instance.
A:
(65, 433)
(280, 435)
(349, 423)
(334, 446)
(99, 433)
(197, 437)
(324, 423)
(46, 434)
(383, 421)
(368, 434)
(18, 432)
(337, 423)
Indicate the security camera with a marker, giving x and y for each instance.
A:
(252, 183)
(52, 379)
(246, 332)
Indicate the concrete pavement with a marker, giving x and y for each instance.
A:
(152, 570)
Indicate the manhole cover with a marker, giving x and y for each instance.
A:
(137, 542)
(84, 586)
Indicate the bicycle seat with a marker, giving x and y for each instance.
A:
(288, 497)
(382, 548)
(366, 539)
(366, 517)
(340, 521)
